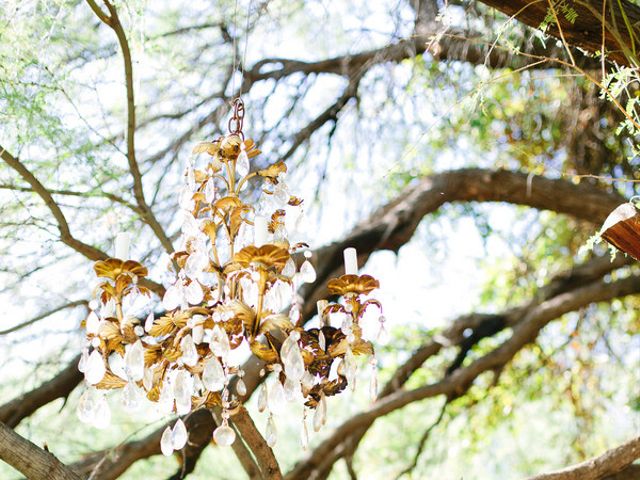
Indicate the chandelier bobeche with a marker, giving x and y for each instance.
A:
(236, 277)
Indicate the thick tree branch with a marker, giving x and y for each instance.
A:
(264, 456)
(60, 386)
(610, 463)
(585, 29)
(31, 460)
(393, 225)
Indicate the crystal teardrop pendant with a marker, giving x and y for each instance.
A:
(179, 435)
(242, 164)
(102, 413)
(320, 415)
(132, 397)
(87, 406)
(134, 361)
(92, 324)
(220, 342)
(148, 323)
(213, 376)
(194, 293)
(95, 369)
(276, 398)
(292, 357)
(373, 382)
(82, 364)
(166, 442)
(292, 390)
(262, 398)
(304, 433)
(182, 388)
(289, 269)
(350, 367)
(322, 342)
(241, 388)
(383, 334)
(307, 272)
(224, 435)
(189, 352)
(271, 435)
(172, 297)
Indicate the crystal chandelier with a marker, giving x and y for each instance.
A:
(235, 281)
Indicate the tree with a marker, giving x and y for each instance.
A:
(101, 100)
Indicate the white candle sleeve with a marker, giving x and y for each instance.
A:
(123, 241)
(350, 261)
(321, 304)
(261, 230)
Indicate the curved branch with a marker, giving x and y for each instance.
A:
(265, 458)
(89, 251)
(610, 463)
(113, 21)
(31, 460)
(42, 316)
(60, 386)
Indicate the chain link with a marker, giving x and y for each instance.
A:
(237, 119)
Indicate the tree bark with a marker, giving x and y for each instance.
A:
(610, 463)
(60, 386)
(621, 31)
(31, 460)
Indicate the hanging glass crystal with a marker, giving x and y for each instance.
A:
(166, 442)
(224, 435)
(307, 272)
(189, 352)
(134, 361)
(271, 434)
(242, 164)
(220, 342)
(320, 415)
(213, 376)
(94, 370)
(304, 433)
(276, 398)
(373, 384)
(262, 398)
(179, 435)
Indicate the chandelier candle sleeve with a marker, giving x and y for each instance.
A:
(261, 232)
(350, 261)
(122, 243)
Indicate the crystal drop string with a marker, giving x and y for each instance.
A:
(373, 385)
(383, 334)
(304, 432)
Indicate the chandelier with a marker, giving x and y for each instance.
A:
(235, 281)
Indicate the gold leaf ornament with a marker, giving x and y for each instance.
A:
(358, 284)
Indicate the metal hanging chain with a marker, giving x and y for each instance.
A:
(237, 119)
